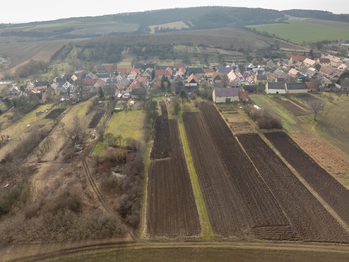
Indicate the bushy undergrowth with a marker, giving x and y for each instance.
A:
(263, 118)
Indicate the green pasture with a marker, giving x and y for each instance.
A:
(299, 31)
(128, 124)
(72, 24)
(288, 120)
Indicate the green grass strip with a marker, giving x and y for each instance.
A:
(207, 231)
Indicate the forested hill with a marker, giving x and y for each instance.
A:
(139, 23)
(324, 15)
(203, 17)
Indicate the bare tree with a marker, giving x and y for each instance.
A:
(225, 82)
(75, 132)
(317, 107)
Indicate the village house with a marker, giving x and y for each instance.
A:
(250, 88)
(209, 72)
(297, 58)
(243, 96)
(198, 71)
(161, 73)
(90, 76)
(216, 77)
(224, 70)
(40, 86)
(107, 69)
(324, 61)
(225, 95)
(192, 80)
(260, 79)
(326, 71)
(177, 66)
(275, 88)
(310, 86)
(181, 71)
(309, 62)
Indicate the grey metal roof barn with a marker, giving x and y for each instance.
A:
(276, 85)
(295, 86)
(225, 92)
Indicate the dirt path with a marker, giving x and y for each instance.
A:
(38, 251)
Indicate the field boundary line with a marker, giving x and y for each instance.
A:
(206, 227)
(143, 224)
(311, 190)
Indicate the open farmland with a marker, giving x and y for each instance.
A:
(228, 215)
(310, 31)
(296, 110)
(329, 189)
(171, 205)
(306, 214)
(297, 103)
(262, 208)
(334, 126)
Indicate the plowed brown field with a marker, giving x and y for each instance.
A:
(333, 192)
(171, 205)
(308, 217)
(228, 215)
(261, 206)
(297, 111)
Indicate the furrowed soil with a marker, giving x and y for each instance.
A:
(161, 146)
(329, 189)
(96, 118)
(55, 113)
(228, 215)
(298, 103)
(297, 111)
(171, 205)
(307, 215)
(309, 98)
(263, 209)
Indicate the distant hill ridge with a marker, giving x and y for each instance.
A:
(316, 14)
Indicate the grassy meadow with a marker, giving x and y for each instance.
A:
(125, 123)
(333, 125)
(299, 31)
(288, 120)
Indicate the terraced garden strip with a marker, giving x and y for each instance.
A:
(329, 189)
(96, 118)
(171, 205)
(297, 111)
(262, 207)
(308, 218)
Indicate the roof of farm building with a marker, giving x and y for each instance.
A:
(225, 92)
(296, 86)
(276, 85)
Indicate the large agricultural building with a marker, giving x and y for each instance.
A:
(225, 95)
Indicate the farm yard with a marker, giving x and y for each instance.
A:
(329, 189)
(306, 214)
(171, 210)
(296, 110)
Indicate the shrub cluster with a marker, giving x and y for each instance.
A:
(263, 118)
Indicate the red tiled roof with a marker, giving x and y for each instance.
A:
(162, 72)
(210, 70)
(100, 81)
(178, 65)
(298, 58)
(310, 85)
(324, 60)
(216, 74)
(243, 95)
(88, 81)
(326, 70)
(192, 77)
